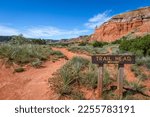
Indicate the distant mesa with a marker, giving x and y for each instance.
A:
(136, 23)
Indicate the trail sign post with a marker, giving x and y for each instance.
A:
(112, 59)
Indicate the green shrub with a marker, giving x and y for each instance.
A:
(82, 44)
(115, 50)
(36, 63)
(140, 45)
(19, 40)
(59, 44)
(99, 44)
(87, 49)
(139, 61)
(76, 95)
(89, 78)
(78, 71)
(137, 86)
(83, 49)
(106, 80)
(27, 53)
(138, 53)
(24, 53)
(148, 52)
(136, 70)
(143, 61)
(117, 41)
(38, 41)
(138, 73)
(57, 53)
(147, 62)
(20, 69)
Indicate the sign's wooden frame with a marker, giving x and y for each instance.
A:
(112, 59)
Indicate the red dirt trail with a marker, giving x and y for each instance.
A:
(31, 84)
(70, 54)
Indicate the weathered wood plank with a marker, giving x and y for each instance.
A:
(120, 80)
(100, 80)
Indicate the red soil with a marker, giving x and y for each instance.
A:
(70, 54)
(129, 75)
(31, 84)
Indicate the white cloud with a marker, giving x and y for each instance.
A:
(98, 19)
(5, 30)
(43, 32)
(52, 32)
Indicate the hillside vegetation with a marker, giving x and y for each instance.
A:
(22, 51)
(139, 46)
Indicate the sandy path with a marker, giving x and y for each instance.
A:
(29, 85)
(70, 54)
(33, 83)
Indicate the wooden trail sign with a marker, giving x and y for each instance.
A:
(112, 59)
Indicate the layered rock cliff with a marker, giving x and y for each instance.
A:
(135, 22)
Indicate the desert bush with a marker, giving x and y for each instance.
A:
(115, 50)
(143, 61)
(57, 53)
(136, 70)
(147, 62)
(70, 72)
(106, 80)
(87, 49)
(23, 53)
(101, 50)
(148, 52)
(82, 44)
(110, 95)
(19, 40)
(38, 41)
(137, 86)
(26, 53)
(139, 53)
(36, 63)
(99, 44)
(118, 41)
(133, 89)
(59, 44)
(139, 46)
(77, 95)
(138, 73)
(81, 49)
(20, 69)
(77, 72)
(89, 78)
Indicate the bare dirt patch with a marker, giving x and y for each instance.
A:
(29, 85)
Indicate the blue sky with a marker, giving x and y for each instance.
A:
(57, 19)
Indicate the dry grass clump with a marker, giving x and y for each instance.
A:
(76, 73)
